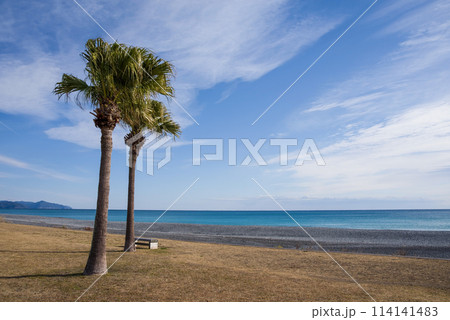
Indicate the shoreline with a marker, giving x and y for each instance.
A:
(403, 220)
(419, 244)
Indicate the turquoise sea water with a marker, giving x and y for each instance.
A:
(353, 219)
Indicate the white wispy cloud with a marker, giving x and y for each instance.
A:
(41, 171)
(36, 50)
(392, 117)
(409, 75)
(81, 131)
(26, 88)
(353, 102)
(212, 42)
(208, 42)
(407, 155)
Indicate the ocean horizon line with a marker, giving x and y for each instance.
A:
(395, 219)
(255, 210)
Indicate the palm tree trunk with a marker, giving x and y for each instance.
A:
(96, 263)
(129, 236)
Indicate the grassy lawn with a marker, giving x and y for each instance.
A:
(45, 264)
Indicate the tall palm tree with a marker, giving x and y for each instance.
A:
(153, 116)
(115, 73)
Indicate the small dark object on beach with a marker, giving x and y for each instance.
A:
(87, 229)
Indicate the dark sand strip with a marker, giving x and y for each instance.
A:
(425, 244)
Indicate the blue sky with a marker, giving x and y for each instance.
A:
(376, 104)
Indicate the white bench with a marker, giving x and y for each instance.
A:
(151, 243)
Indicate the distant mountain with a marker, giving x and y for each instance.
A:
(31, 205)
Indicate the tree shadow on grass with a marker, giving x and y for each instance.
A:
(62, 275)
(49, 251)
(40, 251)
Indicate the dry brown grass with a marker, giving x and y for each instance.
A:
(45, 264)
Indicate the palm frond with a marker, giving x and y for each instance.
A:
(152, 115)
(126, 77)
(70, 84)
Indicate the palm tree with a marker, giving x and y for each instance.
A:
(152, 116)
(115, 74)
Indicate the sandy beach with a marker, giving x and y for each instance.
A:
(424, 244)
